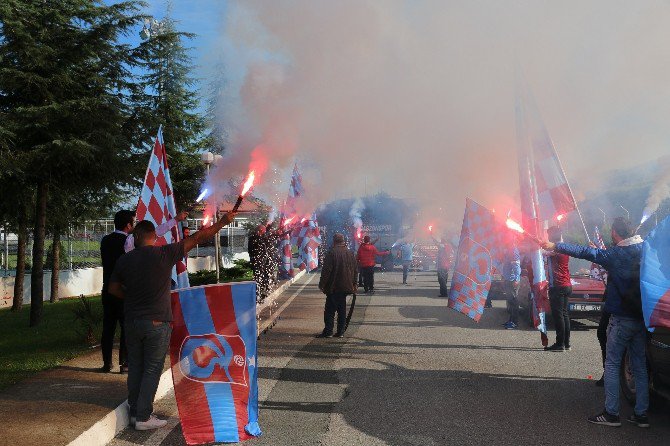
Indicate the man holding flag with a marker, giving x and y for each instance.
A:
(626, 329)
(142, 277)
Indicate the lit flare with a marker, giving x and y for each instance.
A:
(248, 183)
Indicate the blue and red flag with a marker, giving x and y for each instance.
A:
(655, 277)
(157, 205)
(213, 358)
(480, 249)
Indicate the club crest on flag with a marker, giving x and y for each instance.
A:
(214, 358)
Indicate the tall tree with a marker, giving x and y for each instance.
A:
(166, 95)
(63, 78)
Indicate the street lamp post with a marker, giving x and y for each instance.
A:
(604, 217)
(208, 158)
(627, 213)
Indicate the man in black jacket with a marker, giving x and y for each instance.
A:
(111, 248)
(339, 277)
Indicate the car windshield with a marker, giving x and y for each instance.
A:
(579, 267)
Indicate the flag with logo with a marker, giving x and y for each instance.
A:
(307, 239)
(480, 249)
(213, 359)
(655, 277)
(157, 205)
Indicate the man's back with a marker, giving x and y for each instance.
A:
(145, 273)
(339, 271)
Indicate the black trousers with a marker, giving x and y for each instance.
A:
(602, 333)
(442, 277)
(368, 273)
(335, 303)
(405, 270)
(360, 276)
(112, 314)
(558, 299)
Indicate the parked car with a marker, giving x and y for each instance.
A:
(586, 300)
(658, 366)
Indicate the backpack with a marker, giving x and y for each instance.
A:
(631, 297)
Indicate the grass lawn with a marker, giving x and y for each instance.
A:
(25, 350)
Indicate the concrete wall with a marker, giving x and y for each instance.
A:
(89, 280)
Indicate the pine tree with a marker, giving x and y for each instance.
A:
(63, 78)
(165, 95)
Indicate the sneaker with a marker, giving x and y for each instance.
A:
(506, 323)
(105, 369)
(567, 348)
(339, 335)
(123, 369)
(152, 423)
(639, 420)
(605, 419)
(555, 348)
(511, 326)
(601, 381)
(324, 335)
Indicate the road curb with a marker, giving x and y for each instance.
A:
(105, 429)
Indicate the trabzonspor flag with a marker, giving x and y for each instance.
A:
(157, 205)
(308, 239)
(655, 277)
(213, 358)
(480, 249)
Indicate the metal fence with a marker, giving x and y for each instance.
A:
(80, 247)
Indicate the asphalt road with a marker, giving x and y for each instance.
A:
(410, 371)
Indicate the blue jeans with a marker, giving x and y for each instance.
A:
(147, 343)
(626, 333)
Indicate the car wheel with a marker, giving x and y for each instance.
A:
(627, 381)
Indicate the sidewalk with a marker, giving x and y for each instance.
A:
(54, 407)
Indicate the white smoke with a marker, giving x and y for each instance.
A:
(416, 98)
(355, 213)
(659, 192)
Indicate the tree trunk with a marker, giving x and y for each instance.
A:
(17, 302)
(37, 273)
(55, 265)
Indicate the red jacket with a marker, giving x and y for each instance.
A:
(559, 271)
(367, 253)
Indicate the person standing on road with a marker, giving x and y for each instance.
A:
(512, 278)
(560, 289)
(406, 256)
(338, 278)
(142, 279)
(626, 331)
(367, 259)
(113, 246)
(445, 258)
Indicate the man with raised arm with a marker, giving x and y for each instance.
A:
(626, 331)
(142, 278)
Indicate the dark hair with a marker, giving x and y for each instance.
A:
(623, 227)
(122, 218)
(338, 238)
(554, 233)
(142, 230)
(366, 239)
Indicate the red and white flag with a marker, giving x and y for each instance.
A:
(157, 205)
(554, 196)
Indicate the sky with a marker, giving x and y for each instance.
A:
(416, 98)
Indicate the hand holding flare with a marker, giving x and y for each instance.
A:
(247, 186)
(514, 226)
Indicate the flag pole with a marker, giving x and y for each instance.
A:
(573, 195)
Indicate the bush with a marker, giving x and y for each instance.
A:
(240, 272)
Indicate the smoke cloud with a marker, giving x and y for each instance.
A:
(416, 98)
